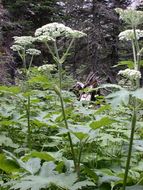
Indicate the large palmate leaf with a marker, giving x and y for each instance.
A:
(60, 180)
(32, 165)
(118, 97)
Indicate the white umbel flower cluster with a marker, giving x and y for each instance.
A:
(33, 51)
(128, 35)
(46, 67)
(44, 38)
(131, 17)
(17, 48)
(131, 74)
(23, 40)
(54, 30)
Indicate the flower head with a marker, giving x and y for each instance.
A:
(54, 30)
(33, 51)
(16, 48)
(130, 16)
(132, 74)
(46, 67)
(44, 38)
(23, 40)
(128, 35)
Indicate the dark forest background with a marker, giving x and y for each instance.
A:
(98, 52)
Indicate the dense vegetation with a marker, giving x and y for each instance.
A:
(49, 139)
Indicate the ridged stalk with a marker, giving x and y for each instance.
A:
(133, 125)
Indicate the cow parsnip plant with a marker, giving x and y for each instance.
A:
(74, 145)
(133, 18)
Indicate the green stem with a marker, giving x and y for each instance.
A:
(56, 50)
(28, 123)
(133, 125)
(59, 62)
(67, 51)
(137, 48)
(134, 55)
(51, 52)
(30, 63)
(79, 159)
(59, 65)
(68, 133)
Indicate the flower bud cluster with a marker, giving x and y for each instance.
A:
(17, 48)
(33, 51)
(132, 74)
(54, 30)
(128, 35)
(46, 67)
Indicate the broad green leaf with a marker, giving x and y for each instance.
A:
(42, 155)
(81, 184)
(138, 93)
(118, 97)
(80, 135)
(8, 166)
(81, 132)
(12, 89)
(6, 141)
(108, 179)
(90, 173)
(38, 182)
(33, 165)
(135, 187)
(11, 156)
(47, 169)
(129, 64)
(105, 121)
(103, 108)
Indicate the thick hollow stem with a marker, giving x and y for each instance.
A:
(133, 125)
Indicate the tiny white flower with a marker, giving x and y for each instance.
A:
(33, 51)
(128, 35)
(23, 40)
(17, 48)
(132, 74)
